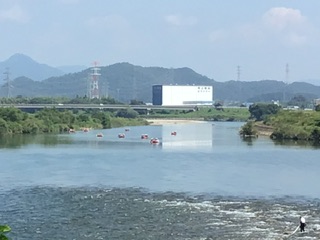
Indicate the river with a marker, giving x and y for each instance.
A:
(205, 182)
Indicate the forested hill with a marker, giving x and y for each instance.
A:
(124, 82)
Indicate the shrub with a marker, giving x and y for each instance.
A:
(248, 130)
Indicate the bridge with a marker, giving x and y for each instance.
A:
(99, 106)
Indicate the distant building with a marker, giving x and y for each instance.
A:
(177, 95)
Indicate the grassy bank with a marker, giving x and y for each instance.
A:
(288, 125)
(296, 125)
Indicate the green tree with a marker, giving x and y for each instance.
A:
(3, 127)
(11, 114)
(127, 113)
(136, 102)
(218, 106)
(248, 130)
(30, 126)
(106, 121)
(299, 101)
(15, 127)
(83, 118)
(67, 117)
(259, 111)
(3, 230)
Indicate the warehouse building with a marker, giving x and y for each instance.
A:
(177, 95)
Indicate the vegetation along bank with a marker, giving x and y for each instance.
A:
(262, 118)
(15, 121)
(281, 124)
(54, 120)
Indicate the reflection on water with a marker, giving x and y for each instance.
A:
(194, 135)
(188, 136)
(299, 143)
(18, 140)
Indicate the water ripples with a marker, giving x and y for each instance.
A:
(133, 213)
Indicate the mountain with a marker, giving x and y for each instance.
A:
(125, 82)
(21, 65)
(72, 68)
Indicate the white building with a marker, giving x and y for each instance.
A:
(177, 95)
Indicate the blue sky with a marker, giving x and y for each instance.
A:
(212, 37)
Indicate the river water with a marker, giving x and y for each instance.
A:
(203, 183)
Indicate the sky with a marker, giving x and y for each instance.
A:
(246, 40)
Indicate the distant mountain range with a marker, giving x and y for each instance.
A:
(21, 65)
(125, 82)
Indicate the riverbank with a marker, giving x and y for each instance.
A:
(263, 130)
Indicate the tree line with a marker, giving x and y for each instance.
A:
(285, 124)
(51, 100)
(52, 120)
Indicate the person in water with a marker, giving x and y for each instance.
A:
(302, 224)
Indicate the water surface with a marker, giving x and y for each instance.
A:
(203, 183)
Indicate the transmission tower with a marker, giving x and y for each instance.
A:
(238, 73)
(287, 73)
(134, 84)
(8, 82)
(118, 94)
(284, 97)
(94, 81)
(107, 89)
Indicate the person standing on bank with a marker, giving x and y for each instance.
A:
(302, 224)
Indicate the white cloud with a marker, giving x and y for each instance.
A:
(288, 26)
(178, 20)
(278, 26)
(14, 14)
(280, 18)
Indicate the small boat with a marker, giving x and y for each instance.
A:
(154, 141)
(86, 130)
(99, 135)
(121, 135)
(127, 129)
(144, 136)
(174, 133)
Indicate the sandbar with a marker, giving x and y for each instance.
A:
(172, 121)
